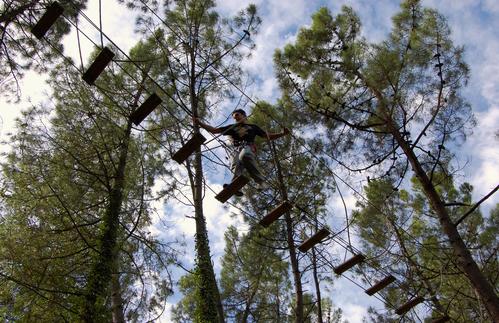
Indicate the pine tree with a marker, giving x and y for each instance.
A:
(19, 49)
(396, 104)
(296, 177)
(192, 41)
(254, 278)
(76, 189)
(414, 250)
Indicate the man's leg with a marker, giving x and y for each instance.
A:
(249, 161)
(237, 168)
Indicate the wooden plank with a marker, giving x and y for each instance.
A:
(349, 264)
(98, 66)
(48, 19)
(313, 240)
(232, 188)
(410, 304)
(276, 213)
(145, 108)
(380, 285)
(441, 319)
(190, 146)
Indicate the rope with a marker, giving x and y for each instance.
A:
(188, 112)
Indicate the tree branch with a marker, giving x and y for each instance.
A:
(476, 206)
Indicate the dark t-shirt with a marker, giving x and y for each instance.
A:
(243, 133)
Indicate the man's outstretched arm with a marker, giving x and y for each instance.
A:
(205, 126)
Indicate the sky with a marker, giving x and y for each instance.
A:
(474, 25)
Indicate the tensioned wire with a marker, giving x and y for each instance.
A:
(101, 88)
(256, 105)
(334, 175)
(126, 72)
(332, 172)
(145, 73)
(138, 67)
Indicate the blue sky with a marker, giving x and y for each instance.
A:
(475, 25)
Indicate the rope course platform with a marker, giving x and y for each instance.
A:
(104, 58)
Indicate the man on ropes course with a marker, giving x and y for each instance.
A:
(243, 142)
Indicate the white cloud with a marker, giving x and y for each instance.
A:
(452, 6)
(34, 89)
(353, 313)
(489, 73)
(482, 145)
(491, 6)
(118, 25)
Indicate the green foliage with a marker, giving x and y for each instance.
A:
(411, 80)
(195, 62)
(58, 184)
(397, 226)
(185, 310)
(294, 175)
(254, 278)
(388, 108)
(20, 50)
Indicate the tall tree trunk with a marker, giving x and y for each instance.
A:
(249, 301)
(116, 298)
(278, 304)
(210, 306)
(100, 275)
(317, 287)
(291, 245)
(464, 258)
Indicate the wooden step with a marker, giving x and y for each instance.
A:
(313, 240)
(98, 66)
(441, 319)
(410, 304)
(380, 285)
(232, 188)
(275, 213)
(190, 146)
(48, 19)
(145, 108)
(349, 264)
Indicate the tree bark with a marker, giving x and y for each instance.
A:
(464, 258)
(317, 287)
(210, 295)
(116, 298)
(100, 276)
(291, 244)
